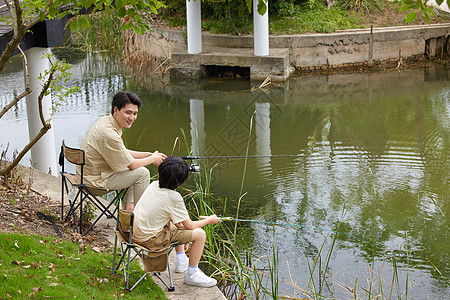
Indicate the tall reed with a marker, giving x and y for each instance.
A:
(105, 33)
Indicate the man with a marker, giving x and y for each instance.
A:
(109, 164)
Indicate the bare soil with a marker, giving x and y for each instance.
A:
(21, 211)
(389, 16)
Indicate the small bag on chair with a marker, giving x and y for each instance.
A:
(155, 261)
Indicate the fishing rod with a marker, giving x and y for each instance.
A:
(196, 168)
(293, 225)
(239, 156)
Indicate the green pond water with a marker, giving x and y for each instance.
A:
(371, 151)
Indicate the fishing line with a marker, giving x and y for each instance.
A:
(293, 225)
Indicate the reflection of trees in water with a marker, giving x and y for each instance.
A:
(385, 161)
(396, 175)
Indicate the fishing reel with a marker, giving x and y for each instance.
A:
(194, 168)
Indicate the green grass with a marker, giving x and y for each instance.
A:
(45, 267)
(320, 20)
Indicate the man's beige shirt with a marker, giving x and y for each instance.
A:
(105, 152)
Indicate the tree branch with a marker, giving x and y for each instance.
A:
(27, 85)
(19, 31)
(13, 102)
(42, 94)
(7, 170)
(45, 126)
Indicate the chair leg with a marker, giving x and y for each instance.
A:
(62, 196)
(98, 218)
(170, 287)
(105, 210)
(114, 257)
(127, 277)
(137, 282)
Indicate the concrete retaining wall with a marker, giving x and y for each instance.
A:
(311, 50)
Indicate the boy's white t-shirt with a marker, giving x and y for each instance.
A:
(156, 207)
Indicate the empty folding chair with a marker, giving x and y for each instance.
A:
(154, 262)
(83, 193)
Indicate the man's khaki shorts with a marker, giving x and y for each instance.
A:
(166, 237)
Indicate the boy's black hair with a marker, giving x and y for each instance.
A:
(173, 172)
(123, 98)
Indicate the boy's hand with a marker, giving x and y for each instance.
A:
(180, 226)
(212, 219)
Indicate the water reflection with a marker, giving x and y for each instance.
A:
(197, 113)
(372, 153)
(262, 132)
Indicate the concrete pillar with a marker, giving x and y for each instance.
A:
(43, 154)
(262, 128)
(194, 26)
(261, 30)
(197, 113)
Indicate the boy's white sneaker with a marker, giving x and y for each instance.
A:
(199, 279)
(181, 267)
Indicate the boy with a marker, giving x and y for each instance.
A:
(159, 209)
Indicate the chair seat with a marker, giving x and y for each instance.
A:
(74, 181)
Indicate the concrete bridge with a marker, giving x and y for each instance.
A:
(48, 33)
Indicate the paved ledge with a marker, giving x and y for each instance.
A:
(275, 65)
(48, 185)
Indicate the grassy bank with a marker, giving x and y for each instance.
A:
(294, 17)
(286, 17)
(41, 267)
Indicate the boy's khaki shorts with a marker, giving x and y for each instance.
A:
(166, 237)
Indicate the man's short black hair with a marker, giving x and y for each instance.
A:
(173, 172)
(123, 98)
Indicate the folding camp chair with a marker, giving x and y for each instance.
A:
(124, 233)
(83, 193)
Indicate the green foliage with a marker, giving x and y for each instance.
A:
(319, 19)
(418, 5)
(57, 75)
(136, 10)
(286, 8)
(46, 267)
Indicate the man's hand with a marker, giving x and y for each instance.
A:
(158, 158)
(142, 159)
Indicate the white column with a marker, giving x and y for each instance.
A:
(43, 154)
(261, 30)
(194, 26)
(197, 113)
(262, 122)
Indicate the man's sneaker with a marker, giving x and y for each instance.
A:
(181, 267)
(199, 279)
